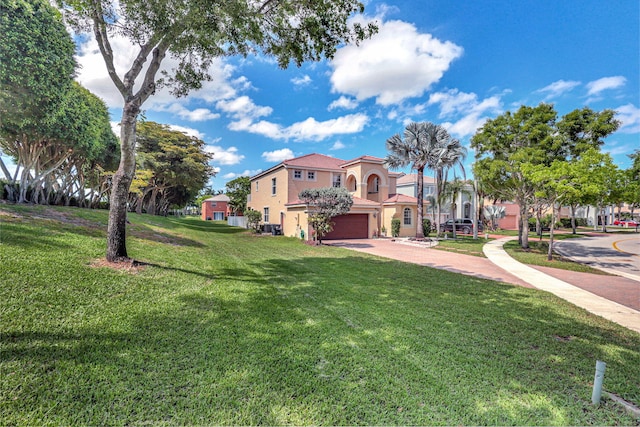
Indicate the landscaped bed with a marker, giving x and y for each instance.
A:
(214, 325)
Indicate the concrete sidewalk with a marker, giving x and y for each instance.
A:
(611, 310)
(612, 297)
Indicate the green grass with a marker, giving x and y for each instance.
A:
(537, 252)
(463, 244)
(222, 327)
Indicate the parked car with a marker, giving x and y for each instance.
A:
(464, 226)
(626, 223)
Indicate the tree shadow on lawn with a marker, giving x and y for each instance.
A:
(207, 226)
(309, 348)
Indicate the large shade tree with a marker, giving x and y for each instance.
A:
(36, 73)
(194, 32)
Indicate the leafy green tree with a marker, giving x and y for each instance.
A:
(195, 33)
(507, 142)
(36, 72)
(179, 165)
(238, 190)
(632, 190)
(324, 204)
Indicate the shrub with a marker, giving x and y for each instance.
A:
(395, 227)
(253, 219)
(426, 226)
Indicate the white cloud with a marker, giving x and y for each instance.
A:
(629, 115)
(343, 102)
(278, 155)
(454, 103)
(597, 86)
(243, 107)
(188, 131)
(224, 156)
(338, 145)
(301, 81)
(247, 172)
(557, 88)
(93, 75)
(309, 129)
(395, 64)
(197, 115)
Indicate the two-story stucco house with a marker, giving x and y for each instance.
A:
(376, 201)
(216, 208)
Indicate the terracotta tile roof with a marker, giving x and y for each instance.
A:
(218, 198)
(411, 178)
(400, 198)
(357, 201)
(369, 159)
(316, 161)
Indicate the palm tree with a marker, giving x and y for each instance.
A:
(452, 190)
(413, 149)
(450, 153)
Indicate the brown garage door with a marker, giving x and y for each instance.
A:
(352, 226)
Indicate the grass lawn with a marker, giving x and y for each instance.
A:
(463, 244)
(537, 252)
(218, 326)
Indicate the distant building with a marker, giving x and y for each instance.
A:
(216, 208)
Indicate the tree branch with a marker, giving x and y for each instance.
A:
(149, 83)
(100, 31)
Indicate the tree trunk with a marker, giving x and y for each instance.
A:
(524, 227)
(551, 228)
(419, 228)
(116, 230)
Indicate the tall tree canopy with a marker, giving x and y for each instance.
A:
(173, 168)
(533, 136)
(194, 32)
(36, 71)
(238, 190)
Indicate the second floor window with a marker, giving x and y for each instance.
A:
(273, 186)
(337, 181)
(311, 176)
(297, 174)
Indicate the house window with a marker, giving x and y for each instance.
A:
(311, 176)
(407, 216)
(265, 216)
(297, 174)
(218, 216)
(337, 180)
(273, 186)
(257, 185)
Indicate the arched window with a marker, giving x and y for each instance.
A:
(407, 216)
(351, 183)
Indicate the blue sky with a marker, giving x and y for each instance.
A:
(455, 63)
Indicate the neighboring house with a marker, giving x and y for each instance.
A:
(216, 208)
(274, 193)
(408, 184)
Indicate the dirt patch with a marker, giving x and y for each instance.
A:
(127, 266)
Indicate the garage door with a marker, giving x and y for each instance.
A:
(353, 226)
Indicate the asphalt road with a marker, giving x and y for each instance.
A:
(617, 253)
